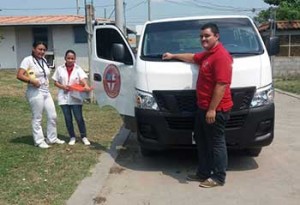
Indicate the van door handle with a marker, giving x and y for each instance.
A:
(97, 77)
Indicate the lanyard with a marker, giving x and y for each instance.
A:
(41, 65)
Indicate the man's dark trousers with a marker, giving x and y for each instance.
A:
(211, 146)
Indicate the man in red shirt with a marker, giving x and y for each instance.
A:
(214, 104)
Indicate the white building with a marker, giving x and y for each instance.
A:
(60, 32)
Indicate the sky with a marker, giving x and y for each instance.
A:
(135, 11)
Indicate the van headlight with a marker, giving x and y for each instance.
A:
(263, 97)
(145, 101)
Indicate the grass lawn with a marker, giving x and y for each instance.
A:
(29, 175)
(290, 84)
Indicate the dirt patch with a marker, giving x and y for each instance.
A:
(99, 200)
(116, 170)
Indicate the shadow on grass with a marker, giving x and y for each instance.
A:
(23, 140)
(97, 146)
(29, 140)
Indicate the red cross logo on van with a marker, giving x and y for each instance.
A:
(112, 81)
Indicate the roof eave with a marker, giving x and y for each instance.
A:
(42, 24)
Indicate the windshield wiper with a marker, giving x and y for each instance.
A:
(246, 53)
(153, 56)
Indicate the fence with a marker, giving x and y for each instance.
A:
(286, 66)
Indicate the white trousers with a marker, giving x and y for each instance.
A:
(40, 101)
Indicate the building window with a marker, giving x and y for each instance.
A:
(80, 35)
(289, 45)
(40, 34)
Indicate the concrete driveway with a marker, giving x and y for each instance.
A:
(272, 178)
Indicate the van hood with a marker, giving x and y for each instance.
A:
(169, 76)
(251, 71)
(247, 71)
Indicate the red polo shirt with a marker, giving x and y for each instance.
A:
(215, 66)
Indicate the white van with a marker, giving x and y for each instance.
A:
(159, 96)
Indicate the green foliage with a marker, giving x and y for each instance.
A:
(272, 2)
(288, 10)
(284, 10)
(277, 2)
(288, 83)
(263, 16)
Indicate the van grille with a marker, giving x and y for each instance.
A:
(180, 123)
(242, 98)
(176, 101)
(187, 123)
(236, 121)
(182, 104)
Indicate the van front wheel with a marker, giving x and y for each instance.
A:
(146, 152)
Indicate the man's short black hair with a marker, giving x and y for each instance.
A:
(213, 27)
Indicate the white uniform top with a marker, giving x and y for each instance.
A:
(40, 69)
(61, 76)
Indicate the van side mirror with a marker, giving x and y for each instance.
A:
(118, 52)
(273, 45)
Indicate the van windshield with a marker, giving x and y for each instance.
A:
(237, 35)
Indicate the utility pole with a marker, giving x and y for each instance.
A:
(77, 7)
(119, 15)
(89, 17)
(124, 16)
(273, 21)
(272, 32)
(149, 10)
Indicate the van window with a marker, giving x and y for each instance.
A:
(105, 38)
(237, 35)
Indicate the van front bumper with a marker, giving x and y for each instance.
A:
(249, 128)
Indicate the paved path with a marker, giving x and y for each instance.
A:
(88, 189)
(272, 178)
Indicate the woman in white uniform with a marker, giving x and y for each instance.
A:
(70, 101)
(35, 71)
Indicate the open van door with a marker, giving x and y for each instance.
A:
(113, 69)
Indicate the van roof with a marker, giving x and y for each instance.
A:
(197, 17)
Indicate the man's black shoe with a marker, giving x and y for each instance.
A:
(194, 177)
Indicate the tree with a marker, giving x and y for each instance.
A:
(277, 2)
(284, 10)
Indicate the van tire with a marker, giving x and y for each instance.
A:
(253, 152)
(146, 152)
